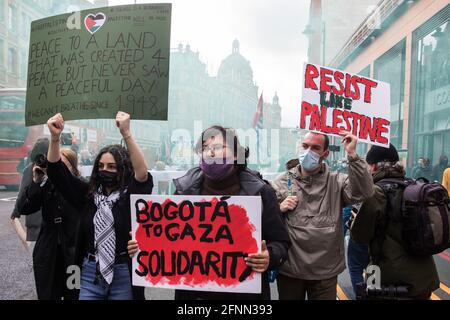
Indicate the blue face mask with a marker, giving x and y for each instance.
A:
(309, 160)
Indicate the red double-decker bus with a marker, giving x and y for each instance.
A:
(15, 139)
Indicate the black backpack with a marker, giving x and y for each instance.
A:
(424, 213)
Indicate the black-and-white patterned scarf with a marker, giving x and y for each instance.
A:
(105, 234)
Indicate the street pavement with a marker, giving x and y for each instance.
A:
(17, 280)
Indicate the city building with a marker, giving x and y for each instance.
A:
(197, 99)
(230, 99)
(331, 23)
(15, 21)
(410, 51)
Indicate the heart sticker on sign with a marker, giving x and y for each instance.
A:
(93, 22)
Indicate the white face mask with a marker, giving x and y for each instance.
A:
(309, 160)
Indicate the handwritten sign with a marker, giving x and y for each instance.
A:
(92, 63)
(196, 242)
(336, 100)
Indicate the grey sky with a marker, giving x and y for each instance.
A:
(270, 36)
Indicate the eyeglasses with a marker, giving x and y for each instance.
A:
(216, 148)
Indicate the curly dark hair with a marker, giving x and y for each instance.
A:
(125, 170)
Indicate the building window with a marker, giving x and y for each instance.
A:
(430, 90)
(23, 64)
(2, 55)
(24, 25)
(2, 10)
(390, 68)
(12, 60)
(12, 18)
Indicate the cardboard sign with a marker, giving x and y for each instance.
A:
(336, 100)
(196, 242)
(93, 63)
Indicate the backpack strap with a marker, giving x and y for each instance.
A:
(390, 187)
(395, 182)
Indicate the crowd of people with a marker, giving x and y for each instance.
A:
(425, 170)
(306, 212)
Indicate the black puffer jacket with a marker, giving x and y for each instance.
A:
(273, 228)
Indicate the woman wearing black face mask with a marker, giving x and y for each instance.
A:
(104, 204)
(223, 171)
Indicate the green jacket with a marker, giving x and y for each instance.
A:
(396, 265)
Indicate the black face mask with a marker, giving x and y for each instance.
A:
(107, 178)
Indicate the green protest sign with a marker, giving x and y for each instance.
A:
(92, 63)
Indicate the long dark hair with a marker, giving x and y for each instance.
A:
(125, 170)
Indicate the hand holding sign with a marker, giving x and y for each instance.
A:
(349, 141)
(259, 262)
(335, 100)
(132, 247)
(290, 203)
(120, 57)
(56, 125)
(194, 242)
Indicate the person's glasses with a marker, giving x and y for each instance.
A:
(216, 148)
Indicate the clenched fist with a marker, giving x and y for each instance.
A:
(123, 123)
(56, 125)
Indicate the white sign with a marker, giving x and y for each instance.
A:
(196, 242)
(335, 100)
